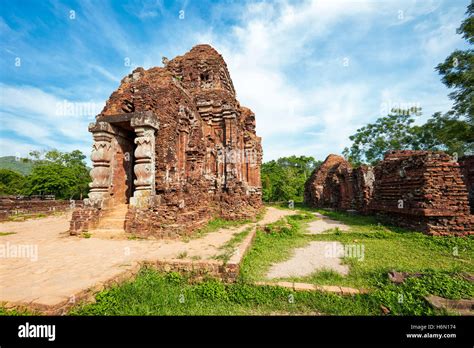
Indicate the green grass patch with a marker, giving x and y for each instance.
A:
(274, 243)
(387, 248)
(14, 312)
(443, 260)
(6, 233)
(218, 223)
(153, 293)
(229, 247)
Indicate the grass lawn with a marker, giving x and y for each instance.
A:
(153, 293)
(444, 260)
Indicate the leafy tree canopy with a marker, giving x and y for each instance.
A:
(63, 174)
(11, 182)
(284, 179)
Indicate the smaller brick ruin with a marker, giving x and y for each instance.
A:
(422, 190)
(425, 191)
(335, 184)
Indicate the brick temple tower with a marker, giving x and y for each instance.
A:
(172, 148)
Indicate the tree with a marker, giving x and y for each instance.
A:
(284, 179)
(458, 73)
(11, 182)
(392, 132)
(445, 133)
(63, 174)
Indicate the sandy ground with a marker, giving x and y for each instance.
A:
(316, 256)
(41, 263)
(323, 224)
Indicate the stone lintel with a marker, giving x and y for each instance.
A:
(136, 119)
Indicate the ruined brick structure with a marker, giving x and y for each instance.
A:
(422, 190)
(31, 206)
(335, 184)
(173, 148)
(467, 168)
(419, 190)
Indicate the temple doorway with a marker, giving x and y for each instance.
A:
(123, 163)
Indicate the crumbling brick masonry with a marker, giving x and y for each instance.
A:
(420, 190)
(467, 168)
(335, 184)
(175, 148)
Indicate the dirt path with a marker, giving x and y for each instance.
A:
(323, 224)
(41, 263)
(316, 256)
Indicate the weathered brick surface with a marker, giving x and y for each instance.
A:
(83, 219)
(11, 205)
(467, 169)
(421, 190)
(205, 158)
(335, 184)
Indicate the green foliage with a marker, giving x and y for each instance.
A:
(229, 247)
(174, 277)
(216, 224)
(212, 290)
(62, 174)
(392, 132)
(15, 312)
(408, 298)
(11, 182)
(458, 72)
(397, 132)
(152, 293)
(284, 179)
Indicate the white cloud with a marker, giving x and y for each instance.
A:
(274, 38)
(285, 60)
(31, 113)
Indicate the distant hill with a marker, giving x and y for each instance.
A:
(20, 165)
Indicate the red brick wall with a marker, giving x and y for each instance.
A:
(10, 206)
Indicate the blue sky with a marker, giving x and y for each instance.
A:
(312, 71)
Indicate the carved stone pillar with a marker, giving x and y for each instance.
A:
(101, 173)
(144, 166)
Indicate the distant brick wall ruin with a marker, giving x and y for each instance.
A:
(419, 190)
(175, 145)
(25, 206)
